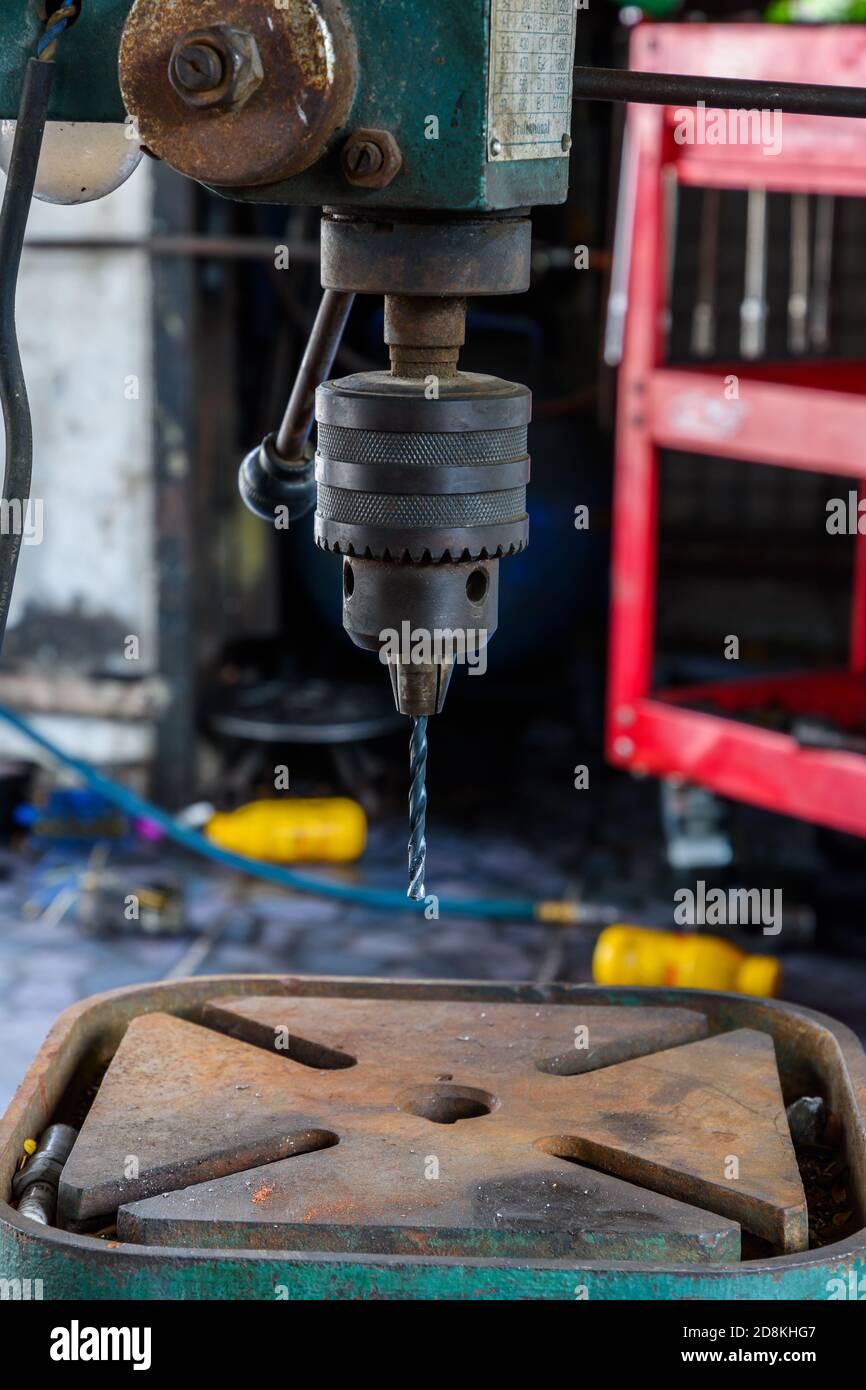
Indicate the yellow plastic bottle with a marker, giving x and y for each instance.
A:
(297, 830)
(626, 955)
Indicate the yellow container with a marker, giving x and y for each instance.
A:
(627, 955)
(314, 830)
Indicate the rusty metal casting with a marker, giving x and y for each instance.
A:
(705, 1123)
(238, 104)
(372, 1095)
(662, 1087)
(436, 1109)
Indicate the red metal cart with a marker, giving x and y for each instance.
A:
(805, 416)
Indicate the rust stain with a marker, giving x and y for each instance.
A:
(345, 1206)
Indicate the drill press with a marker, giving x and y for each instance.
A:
(420, 471)
(419, 487)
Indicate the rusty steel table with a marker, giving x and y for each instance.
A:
(268, 1137)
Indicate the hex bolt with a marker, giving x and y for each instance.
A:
(218, 65)
(371, 158)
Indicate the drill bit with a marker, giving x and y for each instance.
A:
(417, 807)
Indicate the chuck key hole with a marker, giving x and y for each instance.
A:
(477, 585)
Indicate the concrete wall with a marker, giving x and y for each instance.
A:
(84, 318)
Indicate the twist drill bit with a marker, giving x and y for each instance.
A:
(417, 807)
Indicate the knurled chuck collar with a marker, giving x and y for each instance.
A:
(422, 470)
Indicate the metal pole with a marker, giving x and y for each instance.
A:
(315, 367)
(672, 89)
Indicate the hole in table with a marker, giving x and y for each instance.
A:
(444, 1104)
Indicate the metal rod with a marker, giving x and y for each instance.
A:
(819, 317)
(237, 248)
(315, 365)
(798, 291)
(617, 299)
(753, 309)
(704, 311)
(670, 205)
(417, 807)
(34, 1186)
(672, 89)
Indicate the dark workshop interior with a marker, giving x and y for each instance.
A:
(654, 776)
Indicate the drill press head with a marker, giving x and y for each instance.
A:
(422, 474)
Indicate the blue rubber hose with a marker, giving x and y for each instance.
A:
(138, 808)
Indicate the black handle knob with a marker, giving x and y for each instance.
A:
(268, 484)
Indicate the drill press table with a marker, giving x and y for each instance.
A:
(262, 1137)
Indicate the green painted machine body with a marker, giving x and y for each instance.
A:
(812, 1052)
(86, 86)
(417, 59)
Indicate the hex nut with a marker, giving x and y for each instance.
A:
(242, 68)
(370, 158)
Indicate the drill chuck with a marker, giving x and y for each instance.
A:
(422, 492)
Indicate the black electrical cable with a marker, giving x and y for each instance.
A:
(20, 182)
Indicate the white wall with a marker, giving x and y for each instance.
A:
(84, 322)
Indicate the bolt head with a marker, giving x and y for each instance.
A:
(197, 68)
(363, 157)
(371, 158)
(216, 66)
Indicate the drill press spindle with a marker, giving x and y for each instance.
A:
(422, 468)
